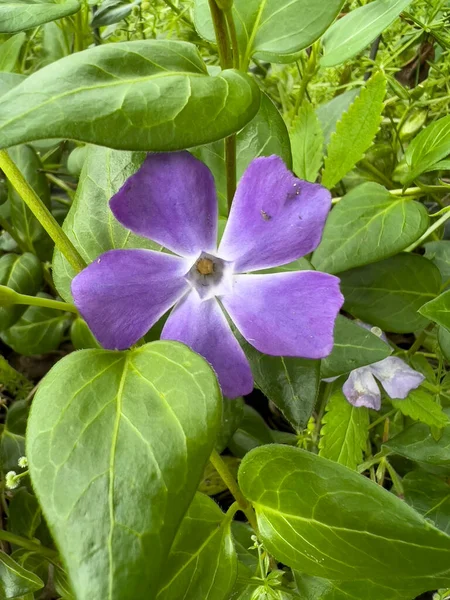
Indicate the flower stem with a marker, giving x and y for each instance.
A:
(40, 211)
(12, 538)
(429, 231)
(230, 167)
(221, 31)
(46, 303)
(233, 36)
(231, 483)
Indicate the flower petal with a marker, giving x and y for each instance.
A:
(286, 314)
(275, 218)
(171, 200)
(124, 292)
(204, 328)
(361, 389)
(397, 378)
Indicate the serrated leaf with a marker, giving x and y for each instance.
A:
(367, 225)
(330, 113)
(9, 52)
(345, 431)
(115, 453)
(438, 310)
(355, 131)
(20, 15)
(389, 293)
(421, 406)
(121, 95)
(202, 562)
(15, 580)
(307, 144)
(358, 28)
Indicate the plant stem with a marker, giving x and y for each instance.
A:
(231, 483)
(46, 303)
(428, 232)
(221, 31)
(233, 35)
(230, 167)
(12, 538)
(40, 211)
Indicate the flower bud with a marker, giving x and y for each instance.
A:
(11, 480)
(23, 462)
(8, 297)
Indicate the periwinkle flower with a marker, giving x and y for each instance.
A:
(275, 219)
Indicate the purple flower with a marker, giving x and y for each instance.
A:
(275, 219)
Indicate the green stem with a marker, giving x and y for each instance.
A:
(419, 340)
(221, 31)
(308, 74)
(46, 303)
(428, 232)
(40, 211)
(230, 167)
(12, 538)
(221, 467)
(368, 166)
(233, 35)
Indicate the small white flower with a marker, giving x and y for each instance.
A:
(11, 481)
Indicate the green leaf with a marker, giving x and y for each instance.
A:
(10, 50)
(90, 224)
(307, 144)
(438, 310)
(355, 131)
(354, 347)
(356, 30)
(253, 431)
(368, 225)
(272, 30)
(439, 254)
(421, 406)
(19, 15)
(428, 148)
(38, 331)
(9, 80)
(266, 134)
(330, 113)
(116, 451)
(202, 561)
(12, 443)
(345, 431)
(23, 274)
(27, 227)
(429, 496)
(112, 11)
(291, 384)
(56, 42)
(389, 293)
(444, 341)
(24, 515)
(326, 520)
(317, 588)
(81, 336)
(141, 95)
(232, 415)
(15, 580)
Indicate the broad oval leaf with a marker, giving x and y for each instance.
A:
(354, 32)
(10, 50)
(389, 293)
(326, 520)
(9, 80)
(368, 225)
(19, 15)
(116, 452)
(438, 310)
(430, 496)
(15, 580)
(23, 274)
(272, 30)
(141, 95)
(202, 562)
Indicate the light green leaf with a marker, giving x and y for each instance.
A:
(19, 15)
(345, 431)
(438, 310)
(202, 561)
(272, 30)
(357, 29)
(56, 42)
(421, 406)
(23, 274)
(439, 253)
(355, 131)
(116, 452)
(141, 95)
(10, 50)
(9, 80)
(90, 224)
(316, 588)
(354, 347)
(368, 225)
(307, 144)
(328, 521)
(14, 579)
(430, 496)
(112, 11)
(330, 113)
(389, 293)
(81, 336)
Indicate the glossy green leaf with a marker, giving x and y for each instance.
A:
(266, 134)
(345, 431)
(12, 442)
(202, 561)
(24, 514)
(428, 148)
(330, 113)
(307, 144)
(444, 341)
(317, 588)
(19, 15)
(90, 224)
(232, 415)
(141, 95)
(23, 274)
(355, 131)
(38, 331)
(291, 384)
(438, 310)
(421, 406)
(389, 293)
(326, 520)
(430, 496)
(356, 30)
(272, 30)
(242, 536)
(354, 347)
(116, 452)
(368, 225)
(10, 50)
(81, 336)
(439, 254)
(112, 11)
(27, 227)
(14, 579)
(253, 431)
